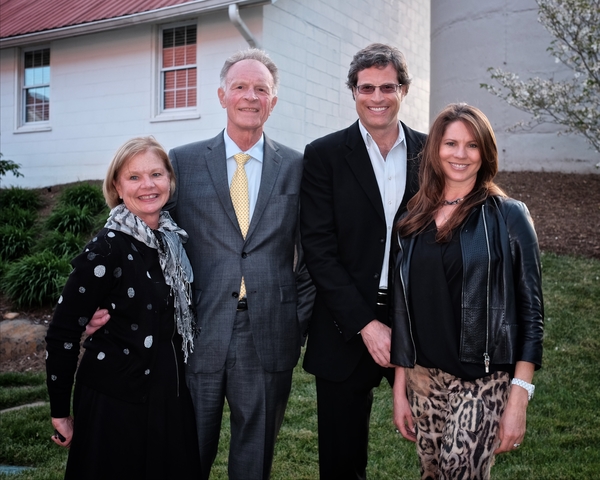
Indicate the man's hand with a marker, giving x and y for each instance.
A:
(101, 316)
(378, 340)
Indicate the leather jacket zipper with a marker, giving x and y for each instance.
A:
(486, 355)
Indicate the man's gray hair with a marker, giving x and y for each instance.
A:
(251, 54)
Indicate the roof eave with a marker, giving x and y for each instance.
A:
(167, 13)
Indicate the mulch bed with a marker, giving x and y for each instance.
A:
(565, 209)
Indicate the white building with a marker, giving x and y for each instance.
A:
(106, 75)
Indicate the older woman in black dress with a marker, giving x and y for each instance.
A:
(132, 413)
(468, 311)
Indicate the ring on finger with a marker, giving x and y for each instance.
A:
(517, 445)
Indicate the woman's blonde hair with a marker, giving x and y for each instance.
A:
(126, 152)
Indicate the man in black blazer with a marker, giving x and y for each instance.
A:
(355, 183)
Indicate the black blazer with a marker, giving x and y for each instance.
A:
(343, 235)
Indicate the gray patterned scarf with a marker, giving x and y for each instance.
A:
(174, 263)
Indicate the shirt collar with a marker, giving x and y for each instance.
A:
(368, 139)
(255, 151)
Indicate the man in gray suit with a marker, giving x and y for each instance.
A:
(247, 345)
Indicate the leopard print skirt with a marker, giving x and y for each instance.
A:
(456, 421)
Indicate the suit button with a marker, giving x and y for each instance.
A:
(376, 275)
(235, 294)
(382, 240)
(244, 254)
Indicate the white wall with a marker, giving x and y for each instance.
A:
(313, 44)
(468, 37)
(103, 86)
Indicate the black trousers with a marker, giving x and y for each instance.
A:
(344, 411)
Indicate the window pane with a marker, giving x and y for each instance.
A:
(190, 54)
(180, 56)
(191, 35)
(170, 80)
(169, 99)
(179, 36)
(191, 97)
(168, 38)
(168, 57)
(181, 79)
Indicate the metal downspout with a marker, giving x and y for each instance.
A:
(234, 16)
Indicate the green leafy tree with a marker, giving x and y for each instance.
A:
(9, 166)
(573, 102)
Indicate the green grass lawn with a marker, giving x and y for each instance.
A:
(562, 441)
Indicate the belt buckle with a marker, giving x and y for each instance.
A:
(382, 296)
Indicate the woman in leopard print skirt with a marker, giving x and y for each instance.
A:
(468, 309)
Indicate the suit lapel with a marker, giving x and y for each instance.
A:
(270, 171)
(413, 149)
(216, 162)
(359, 161)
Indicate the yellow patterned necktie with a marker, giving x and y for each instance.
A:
(241, 200)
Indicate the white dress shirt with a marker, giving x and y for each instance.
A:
(253, 167)
(390, 173)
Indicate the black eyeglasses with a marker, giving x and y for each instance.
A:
(368, 89)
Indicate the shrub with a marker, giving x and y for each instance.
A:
(70, 218)
(20, 197)
(100, 220)
(17, 217)
(65, 244)
(15, 242)
(83, 195)
(3, 266)
(36, 280)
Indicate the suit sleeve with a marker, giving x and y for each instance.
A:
(171, 205)
(335, 286)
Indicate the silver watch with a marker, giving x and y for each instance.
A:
(527, 386)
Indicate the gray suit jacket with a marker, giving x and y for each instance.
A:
(201, 204)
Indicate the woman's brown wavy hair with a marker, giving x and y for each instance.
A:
(428, 200)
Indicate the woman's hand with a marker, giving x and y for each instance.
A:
(64, 426)
(402, 414)
(514, 420)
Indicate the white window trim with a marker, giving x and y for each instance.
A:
(21, 125)
(172, 114)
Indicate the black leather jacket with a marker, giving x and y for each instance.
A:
(502, 306)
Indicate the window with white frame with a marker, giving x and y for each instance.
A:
(178, 67)
(36, 85)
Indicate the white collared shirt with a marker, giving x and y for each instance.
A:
(253, 167)
(391, 179)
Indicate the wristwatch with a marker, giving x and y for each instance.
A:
(527, 386)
